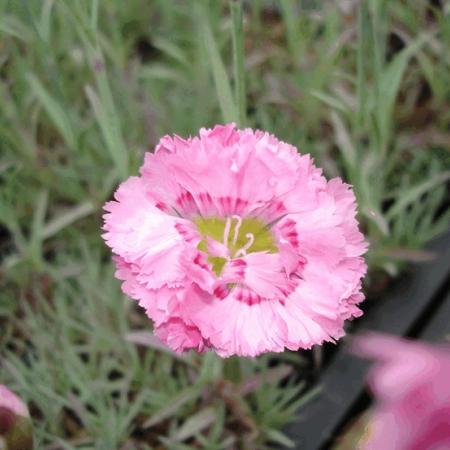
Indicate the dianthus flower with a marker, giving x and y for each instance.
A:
(410, 381)
(235, 242)
(15, 425)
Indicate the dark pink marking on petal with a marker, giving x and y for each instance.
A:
(189, 234)
(246, 295)
(201, 261)
(187, 203)
(221, 291)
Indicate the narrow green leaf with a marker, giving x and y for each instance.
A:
(55, 110)
(170, 49)
(67, 218)
(221, 80)
(108, 122)
(238, 61)
(148, 339)
(196, 423)
(389, 84)
(37, 225)
(279, 438)
(360, 57)
(330, 101)
(44, 24)
(344, 140)
(185, 396)
(377, 218)
(94, 14)
(289, 10)
(12, 26)
(163, 73)
(415, 193)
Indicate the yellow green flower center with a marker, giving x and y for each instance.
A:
(239, 236)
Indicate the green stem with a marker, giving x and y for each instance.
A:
(361, 88)
(218, 71)
(238, 61)
(295, 40)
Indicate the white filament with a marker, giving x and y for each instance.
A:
(226, 232)
(226, 235)
(243, 250)
(236, 228)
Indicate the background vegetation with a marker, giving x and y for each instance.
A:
(87, 86)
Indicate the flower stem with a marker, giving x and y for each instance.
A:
(238, 62)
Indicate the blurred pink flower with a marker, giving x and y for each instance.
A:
(233, 241)
(15, 424)
(411, 383)
(10, 402)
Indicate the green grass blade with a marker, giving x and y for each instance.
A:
(67, 218)
(331, 101)
(37, 225)
(344, 142)
(196, 423)
(221, 80)
(107, 120)
(238, 61)
(390, 80)
(185, 396)
(289, 10)
(361, 94)
(279, 438)
(55, 110)
(416, 192)
(12, 26)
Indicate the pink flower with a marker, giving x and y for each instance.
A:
(9, 401)
(232, 241)
(15, 424)
(411, 382)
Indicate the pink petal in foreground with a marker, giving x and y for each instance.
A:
(15, 425)
(410, 381)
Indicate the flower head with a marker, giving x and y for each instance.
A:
(15, 424)
(410, 381)
(233, 241)
(10, 401)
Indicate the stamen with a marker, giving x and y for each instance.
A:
(226, 232)
(243, 250)
(236, 228)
